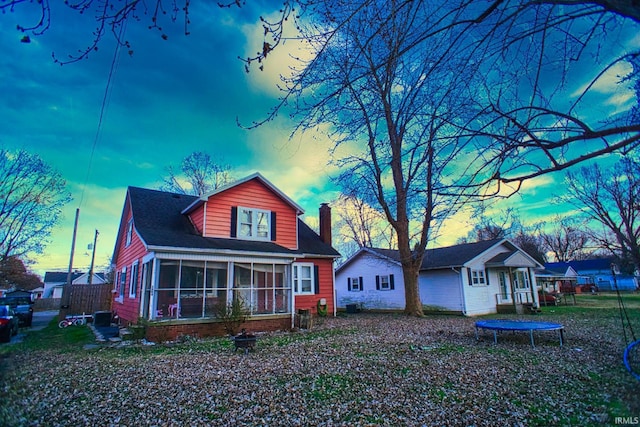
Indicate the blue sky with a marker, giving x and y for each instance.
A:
(170, 98)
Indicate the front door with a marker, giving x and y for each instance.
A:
(505, 295)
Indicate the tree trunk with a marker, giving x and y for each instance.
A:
(413, 304)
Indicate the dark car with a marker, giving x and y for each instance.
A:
(25, 314)
(23, 308)
(8, 323)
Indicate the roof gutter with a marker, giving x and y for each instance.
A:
(227, 252)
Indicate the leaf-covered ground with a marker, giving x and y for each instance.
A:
(355, 370)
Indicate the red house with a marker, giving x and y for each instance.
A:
(178, 256)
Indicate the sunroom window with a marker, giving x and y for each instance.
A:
(194, 289)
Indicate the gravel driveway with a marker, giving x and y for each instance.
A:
(359, 370)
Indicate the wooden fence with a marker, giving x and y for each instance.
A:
(45, 304)
(78, 299)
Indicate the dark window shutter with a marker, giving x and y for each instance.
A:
(361, 284)
(377, 283)
(391, 284)
(469, 275)
(316, 279)
(273, 226)
(486, 276)
(349, 284)
(234, 221)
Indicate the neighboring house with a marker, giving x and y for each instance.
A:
(472, 279)
(602, 273)
(37, 292)
(54, 282)
(178, 257)
(554, 279)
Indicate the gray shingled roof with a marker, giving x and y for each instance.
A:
(61, 276)
(159, 222)
(447, 257)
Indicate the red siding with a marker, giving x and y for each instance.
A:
(128, 308)
(325, 276)
(197, 218)
(252, 194)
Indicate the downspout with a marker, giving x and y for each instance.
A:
(335, 297)
(513, 290)
(153, 296)
(461, 282)
(293, 295)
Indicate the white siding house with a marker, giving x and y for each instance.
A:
(373, 282)
(472, 279)
(54, 282)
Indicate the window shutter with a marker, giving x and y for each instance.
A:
(377, 283)
(273, 226)
(349, 284)
(234, 221)
(469, 276)
(486, 276)
(361, 284)
(316, 279)
(391, 285)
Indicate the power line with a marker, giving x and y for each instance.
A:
(105, 103)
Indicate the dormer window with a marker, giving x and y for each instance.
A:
(254, 224)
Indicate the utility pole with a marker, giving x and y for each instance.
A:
(66, 290)
(93, 256)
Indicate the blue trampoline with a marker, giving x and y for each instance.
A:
(496, 325)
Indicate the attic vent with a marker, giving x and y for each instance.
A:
(176, 196)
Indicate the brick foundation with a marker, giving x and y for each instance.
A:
(169, 331)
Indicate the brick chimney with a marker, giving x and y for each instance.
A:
(325, 223)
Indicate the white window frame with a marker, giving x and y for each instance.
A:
(356, 285)
(254, 227)
(521, 284)
(133, 280)
(129, 233)
(385, 286)
(123, 281)
(478, 278)
(297, 279)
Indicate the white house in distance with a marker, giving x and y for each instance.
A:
(54, 281)
(472, 279)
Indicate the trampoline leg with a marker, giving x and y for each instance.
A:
(495, 337)
(561, 333)
(531, 335)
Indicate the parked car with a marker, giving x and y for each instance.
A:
(23, 308)
(546, 298)
(25, 314)
(8, 323)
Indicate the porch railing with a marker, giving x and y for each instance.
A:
(521, 297)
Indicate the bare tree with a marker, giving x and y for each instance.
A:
(489, 227)
(199, 174)
(610, 198)
(506, 225)
(566, 240)
(361, 225)
(32, 195)
(393, 116)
